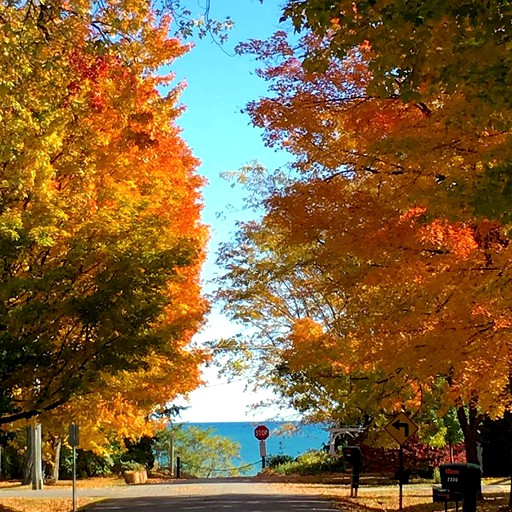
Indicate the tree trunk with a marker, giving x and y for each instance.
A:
(469, 423)
(29, 459)
(510, 491)
(509, 416)
(57, 445)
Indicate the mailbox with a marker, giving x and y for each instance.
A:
(460, 482)
(352, 454)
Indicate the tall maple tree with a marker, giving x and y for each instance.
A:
(100, 238)
(418, 49)
(389, 209)
(128, 406)
(449, 60)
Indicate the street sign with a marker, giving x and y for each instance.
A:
(261, 432)
(401, 427)
(263, 448)
(74, 435)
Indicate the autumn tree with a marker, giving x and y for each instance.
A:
(389, 212)
(418, 49)
(202, 451)
(354, 317)
(128, 406)
(300, 312)
(449, 61)
(274, 291)
(100, 239)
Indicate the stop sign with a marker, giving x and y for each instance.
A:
(261, 432)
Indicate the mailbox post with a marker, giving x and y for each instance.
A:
(352, 454)
(460, 482)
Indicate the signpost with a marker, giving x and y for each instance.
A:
(261, 432)
(400, 428)
(74, 441)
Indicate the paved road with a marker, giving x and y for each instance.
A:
(217, 503)
(213, 495)
(209, 495)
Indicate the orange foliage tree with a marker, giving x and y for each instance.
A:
(385, 218)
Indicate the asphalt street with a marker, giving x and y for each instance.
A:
(208, 495)
(217, 503)
(215, 495)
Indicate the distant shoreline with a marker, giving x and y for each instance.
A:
(283, 440)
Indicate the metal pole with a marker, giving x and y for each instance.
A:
(74, 478)
(263, 462)
(401, 477)
(178, 467)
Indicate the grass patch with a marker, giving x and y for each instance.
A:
(375, 500)
(42, 504)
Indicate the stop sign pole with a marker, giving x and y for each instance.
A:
(261, 432)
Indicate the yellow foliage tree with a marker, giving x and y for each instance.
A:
(101, 242)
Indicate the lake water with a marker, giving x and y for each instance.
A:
(286, 438)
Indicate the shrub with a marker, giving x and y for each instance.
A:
(140, 451)
(420, 459)
(273, 461)
(88, 464)
(311, 462)
(12, 463)
(131, 465)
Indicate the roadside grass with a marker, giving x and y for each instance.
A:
(378, 500)
(43, 504)
(54, 504)
(86, 483)
(377, 494)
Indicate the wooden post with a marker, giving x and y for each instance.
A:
(171, 452)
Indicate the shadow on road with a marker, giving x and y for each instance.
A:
(222, 502)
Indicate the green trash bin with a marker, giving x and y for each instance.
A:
(463, 479)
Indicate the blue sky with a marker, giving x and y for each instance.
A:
(220, 84)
